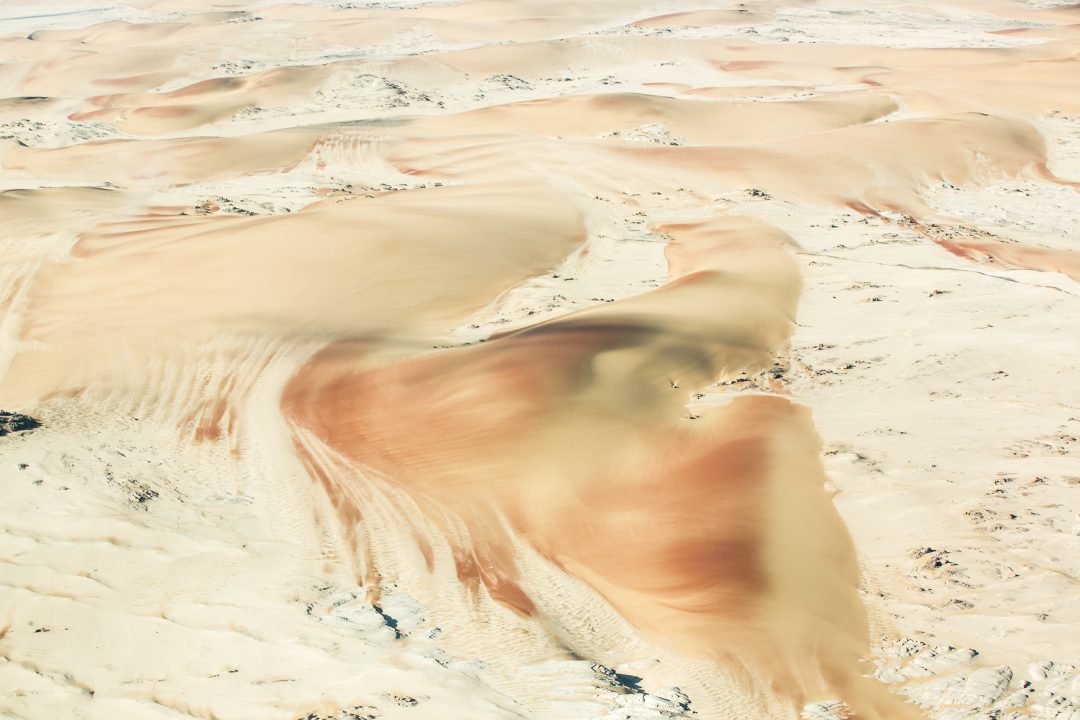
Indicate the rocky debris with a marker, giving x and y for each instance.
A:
(666, 704)
(349, 612)
(948, 682)
(579, 688)
(401, 612)
(968, 695)
(1015, 505)
(235, 68)
(368, 90)
(139, 493)
(830, 710)
(508, 82)
(15, 422)
(938, 660)
(404, 700)
(1061, 443)
(228, 206)
(35, 133)
(357, 712)
(902, 660)
(981, 688)
(937, 564)
(767, 381)
(655, 133)
(500, 84)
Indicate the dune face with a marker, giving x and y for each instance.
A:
(199, 103)
(612, 115)
(624, 370)
(501, 359)
(710, 532)
(402, 265)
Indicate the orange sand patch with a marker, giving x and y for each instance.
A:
(1015, 255)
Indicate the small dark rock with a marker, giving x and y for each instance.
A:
(14, 422)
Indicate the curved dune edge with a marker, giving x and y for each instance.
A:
(1014, 255)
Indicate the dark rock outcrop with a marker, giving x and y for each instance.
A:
(14, 422)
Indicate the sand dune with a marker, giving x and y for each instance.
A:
(703, 530)
(502, 359)
(693, 122)
(704, 18)
(1066, 262)
(398, 267)
(131, 162)
(199, 103)
(872, 168)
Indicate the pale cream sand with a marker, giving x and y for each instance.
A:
(494, 359)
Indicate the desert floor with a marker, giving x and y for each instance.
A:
(539, 359)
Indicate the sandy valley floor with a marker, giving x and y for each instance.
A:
(495, 359)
